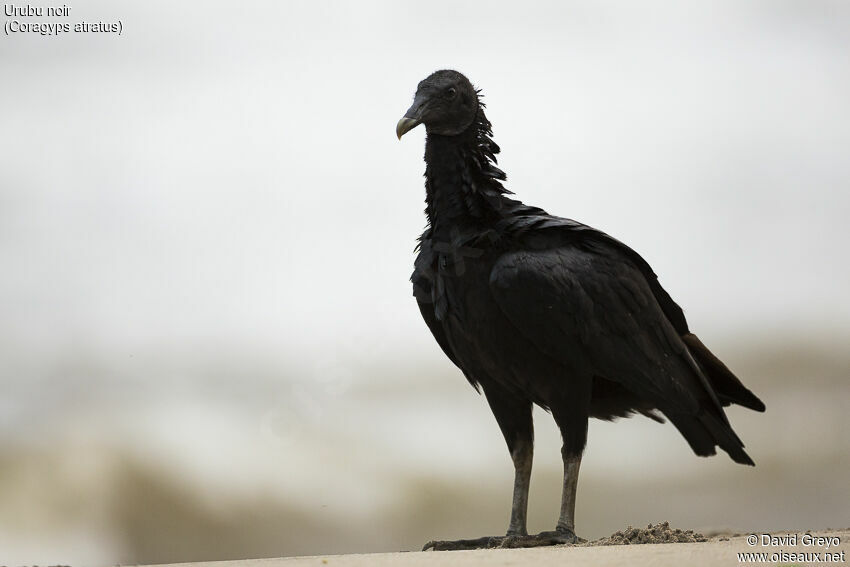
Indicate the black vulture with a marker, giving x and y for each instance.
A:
(539, 309)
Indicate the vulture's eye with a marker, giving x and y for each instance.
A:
(450, 93)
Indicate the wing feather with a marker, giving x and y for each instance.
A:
(574, 303)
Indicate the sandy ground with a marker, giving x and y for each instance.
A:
(718, 550)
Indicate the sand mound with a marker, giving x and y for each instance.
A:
(658, 533)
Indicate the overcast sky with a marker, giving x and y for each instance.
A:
(229, 174)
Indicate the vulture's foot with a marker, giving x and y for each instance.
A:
(557, 537)
(480, 543)
(509, 541)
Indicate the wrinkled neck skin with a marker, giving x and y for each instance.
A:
(463, 192)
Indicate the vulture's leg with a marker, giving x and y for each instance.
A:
(572, 421)
(514, 418)
(566, 522)
(521, 454)
(565, 531)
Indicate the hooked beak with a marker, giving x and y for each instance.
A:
(412, 118)
(405, 125)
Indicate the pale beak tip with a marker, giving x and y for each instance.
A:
(405, 125)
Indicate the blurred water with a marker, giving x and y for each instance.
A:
(208, 347)
(222, 462)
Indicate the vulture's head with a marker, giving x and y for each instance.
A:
(445, 102)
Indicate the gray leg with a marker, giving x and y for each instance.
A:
(522, 450)
(566, 523)
(522, 455)
(571, 417)
(514, 418)
(565, 530)
(517, 535)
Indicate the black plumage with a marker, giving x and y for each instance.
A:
(538, 309)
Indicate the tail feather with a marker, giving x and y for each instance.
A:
(726, 438)
(705, 431)
(726, 385)
(697, 436)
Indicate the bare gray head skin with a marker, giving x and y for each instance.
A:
(445, 102)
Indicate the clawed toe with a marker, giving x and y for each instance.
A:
(542, 539)
(480, 543)
(558, 537)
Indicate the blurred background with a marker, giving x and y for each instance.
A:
(208, 344)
